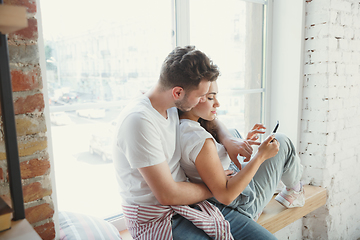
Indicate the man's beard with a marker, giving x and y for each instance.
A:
(183, 105)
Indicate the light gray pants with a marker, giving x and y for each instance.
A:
(285, 166)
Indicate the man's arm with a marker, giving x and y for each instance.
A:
(143, 149)
(169, 192)
(233, 145)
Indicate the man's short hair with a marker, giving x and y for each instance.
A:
(185, 67)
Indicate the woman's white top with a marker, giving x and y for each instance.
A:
(192, 139)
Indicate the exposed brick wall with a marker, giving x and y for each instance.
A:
(330, 127)
(30, 126)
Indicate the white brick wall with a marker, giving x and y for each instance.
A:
(330, 128)
(293, 230)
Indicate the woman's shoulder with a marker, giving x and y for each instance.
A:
(187, 125)
(192, 129)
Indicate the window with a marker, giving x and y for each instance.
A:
(99, 56)
(232, 33)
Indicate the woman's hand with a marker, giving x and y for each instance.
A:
(269, 148)
(253, 135)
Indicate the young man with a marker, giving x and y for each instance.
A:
(147, 159)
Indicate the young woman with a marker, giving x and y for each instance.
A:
(250, 189)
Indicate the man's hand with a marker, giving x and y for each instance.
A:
(169, 192)
(229, 174)
(237, 146)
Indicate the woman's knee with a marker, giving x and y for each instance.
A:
(285, 142)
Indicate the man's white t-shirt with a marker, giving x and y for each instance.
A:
(192, 139)
(145, 138)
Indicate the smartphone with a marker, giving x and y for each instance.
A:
(275, 129)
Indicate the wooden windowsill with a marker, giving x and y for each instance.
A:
(12, 18)
(275, 216)
(20, 230)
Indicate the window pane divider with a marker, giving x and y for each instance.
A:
(264, 2)
(182, 22)
(247, 91)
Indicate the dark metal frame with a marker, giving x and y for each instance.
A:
(8, 117)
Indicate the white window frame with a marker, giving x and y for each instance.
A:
(285, 65)
(283, 61)
(42, 62)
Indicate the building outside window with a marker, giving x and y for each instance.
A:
(113, 52)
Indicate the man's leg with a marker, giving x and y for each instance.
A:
(285, 165)
(243, 227)
(183, 229)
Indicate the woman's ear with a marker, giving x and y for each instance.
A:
(178, 93)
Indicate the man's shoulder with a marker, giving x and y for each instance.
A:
(136, 107)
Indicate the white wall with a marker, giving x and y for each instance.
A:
(330, 114)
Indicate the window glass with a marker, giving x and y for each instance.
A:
(99, 54)
(231, 33)
(242, 111)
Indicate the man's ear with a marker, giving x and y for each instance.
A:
(178, 93)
